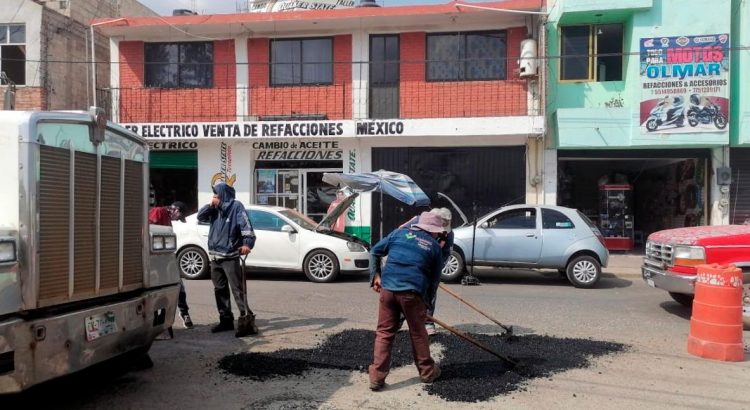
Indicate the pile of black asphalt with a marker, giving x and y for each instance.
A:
(469, 374)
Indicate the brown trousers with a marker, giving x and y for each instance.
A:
(392, 304)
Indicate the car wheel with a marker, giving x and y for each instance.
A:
(683, 299)
(193, 263)
(321, 266)
(454, 268)
(584, 271)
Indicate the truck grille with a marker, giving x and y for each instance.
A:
(60, 238)
(659, 253)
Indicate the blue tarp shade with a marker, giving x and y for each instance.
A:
(174, 160)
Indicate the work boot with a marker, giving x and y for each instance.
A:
(377, 386)
(434, 376)
(246, 326)
(223, 326)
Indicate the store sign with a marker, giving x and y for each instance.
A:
(297, 151)
(173, 145)
(225, 166)
(459, 127)
(269, 6)
(684, 84)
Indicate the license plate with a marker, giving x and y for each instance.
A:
(100, 325)
(650, 282)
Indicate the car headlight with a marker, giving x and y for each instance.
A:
(170, 243)
(157, 243)
(355, 247)
(7, 251)
(688, 255)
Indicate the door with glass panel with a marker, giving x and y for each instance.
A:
(280, 187)
(384, 76)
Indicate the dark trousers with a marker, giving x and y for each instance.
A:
(182, 300)
(392, 304)
(226, 273)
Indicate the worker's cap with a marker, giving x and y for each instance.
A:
(430, 222)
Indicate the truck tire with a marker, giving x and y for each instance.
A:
(683, 299)
(192, 262)
(584, 271)
(321, 266)
(454, 268)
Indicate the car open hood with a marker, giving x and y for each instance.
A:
(458, 210)
(692, 235)
(327, 222)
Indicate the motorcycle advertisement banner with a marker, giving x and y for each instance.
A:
(684, 84)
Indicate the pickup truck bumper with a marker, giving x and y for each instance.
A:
(668, 281)
(36, 350)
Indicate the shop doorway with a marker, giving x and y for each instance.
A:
(629, 198)
(300, 189)
(174, 177)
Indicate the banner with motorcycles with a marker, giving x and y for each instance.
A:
(684, 84)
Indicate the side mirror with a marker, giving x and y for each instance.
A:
(288, 229)
(484, 225)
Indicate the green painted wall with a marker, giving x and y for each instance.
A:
(739, 119)
(607, 114)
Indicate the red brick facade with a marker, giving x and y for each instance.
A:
(140, 104)
(28, 98)
(334, 100)
(422, 99)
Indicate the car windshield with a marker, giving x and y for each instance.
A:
(302, 220)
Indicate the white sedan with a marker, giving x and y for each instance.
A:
(285, 239)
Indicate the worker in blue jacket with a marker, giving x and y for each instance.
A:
(412, 269)
(229, 236)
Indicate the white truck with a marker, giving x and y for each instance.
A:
(82, 276)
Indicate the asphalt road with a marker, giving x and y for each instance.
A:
(655, 372)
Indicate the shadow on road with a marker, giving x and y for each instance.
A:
(676, 309)
(542, 278)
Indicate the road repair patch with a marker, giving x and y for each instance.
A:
(469, 374)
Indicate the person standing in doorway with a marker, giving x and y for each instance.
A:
(411, 270)
(230, 235)
(164, 215)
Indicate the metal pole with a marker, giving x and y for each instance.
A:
(381, 213)
(93, 68)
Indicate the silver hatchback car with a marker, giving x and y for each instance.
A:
(531, 236)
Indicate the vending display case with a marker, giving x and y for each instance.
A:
(616, 216)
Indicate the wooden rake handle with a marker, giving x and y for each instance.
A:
(455, 295)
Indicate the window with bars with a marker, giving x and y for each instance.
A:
(591, 52)
(13, 53)
(302, 61)
(179, 65)
(468, 56)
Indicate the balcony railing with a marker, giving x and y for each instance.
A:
(387, 90)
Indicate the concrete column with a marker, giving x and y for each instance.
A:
(360, 73)
(549, 175)
(718, 197)
(242, 76)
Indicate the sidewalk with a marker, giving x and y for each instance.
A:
(624, 264)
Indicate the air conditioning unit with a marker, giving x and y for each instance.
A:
(527, 63)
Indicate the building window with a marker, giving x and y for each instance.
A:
(302, 61)
(13, 53)
(179, 65)
(591, 53)
(466, 56)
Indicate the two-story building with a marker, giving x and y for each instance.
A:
(269, 102)
(638, 108)
(45, 51)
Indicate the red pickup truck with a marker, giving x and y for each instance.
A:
(673, 254)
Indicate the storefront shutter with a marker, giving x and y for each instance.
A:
(174, 159)
(739, 194)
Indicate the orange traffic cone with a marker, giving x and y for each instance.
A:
(716, 322)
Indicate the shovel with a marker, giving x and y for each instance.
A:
(245, 323)
(510, 362)
(508, 329)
